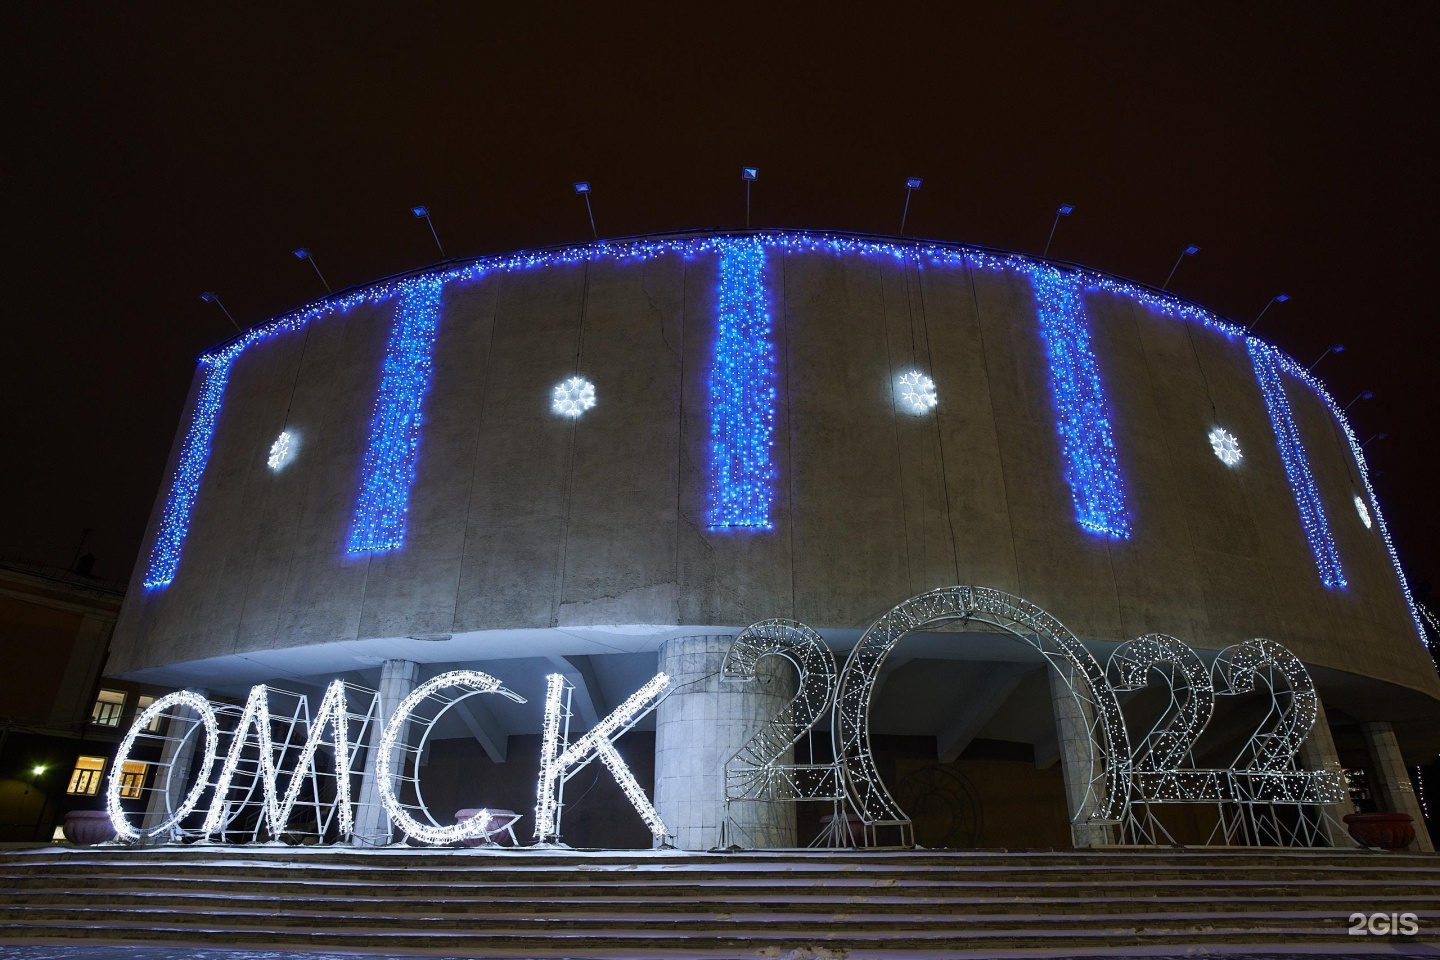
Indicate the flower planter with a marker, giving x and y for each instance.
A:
(88, 827)
(1388, 831)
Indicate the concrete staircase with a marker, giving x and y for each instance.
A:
(487, 903)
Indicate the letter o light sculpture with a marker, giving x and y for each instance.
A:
(180, 698)
(424, 707)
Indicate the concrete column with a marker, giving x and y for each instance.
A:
(181, 757)
(1391, 779)
(372, 823)
(1073, 739)
(700, 726)
(1318, 753)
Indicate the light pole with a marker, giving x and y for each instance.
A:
(911, 185)
(1278, 298)
(303, 253)
(1333, 348)
(423, 213)
(210, 297)
(1362, 395)
(1189, 251)
(749, 175)
(1064, 210)
(583, 188)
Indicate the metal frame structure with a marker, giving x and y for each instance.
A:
(1262, 797)
(421, 710)
(1106, 795)
(757, 773)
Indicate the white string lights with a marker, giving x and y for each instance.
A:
(281, 451)
(204, 715)
(1107, 790)
(256, 724)
(917, 392)
(436, 696)
(1226, 446)
(571, 398)
(1364, 513)
(559, 763)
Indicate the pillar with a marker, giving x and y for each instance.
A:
(701, 725)
(372, 823)
(180, 755)
(1318, 753)
(1072, 736)
(1391, 779)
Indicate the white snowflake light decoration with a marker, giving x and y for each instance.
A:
(572, 397)
(1364, 512)
(1226, 446)
(281, 451)
(917, 392)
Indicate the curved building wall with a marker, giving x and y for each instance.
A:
(526, 524)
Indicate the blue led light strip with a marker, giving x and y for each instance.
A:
(165, 554)
(1087, 440)
(742, 392)
(185, 484)
(389, 465)
(1297, 465)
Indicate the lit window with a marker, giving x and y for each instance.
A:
(108, 707)
(132, 778)
(154, 725)
(85, 780)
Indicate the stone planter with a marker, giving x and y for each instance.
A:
(88, 827)
(1388, 831)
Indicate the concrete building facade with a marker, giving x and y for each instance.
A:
(807, 426)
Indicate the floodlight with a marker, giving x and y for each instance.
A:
(303, 253)
(1189, 251)
(582, 187)
(209, 296)
(1278, 298)
(749, 173)
(1064, 210)
(423, 213)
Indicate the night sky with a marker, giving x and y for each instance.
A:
(153, 152)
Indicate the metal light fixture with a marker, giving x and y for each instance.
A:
(210, 297)
(423, 213)
(1362, 395)
(1064, 210)
(1333, 348)
(911, 185)
(1278, 298)
(303, 253)
(583, 188)
(749, 175)
(1189, 251)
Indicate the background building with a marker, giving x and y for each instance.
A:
(61, 722)
(606, 460)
